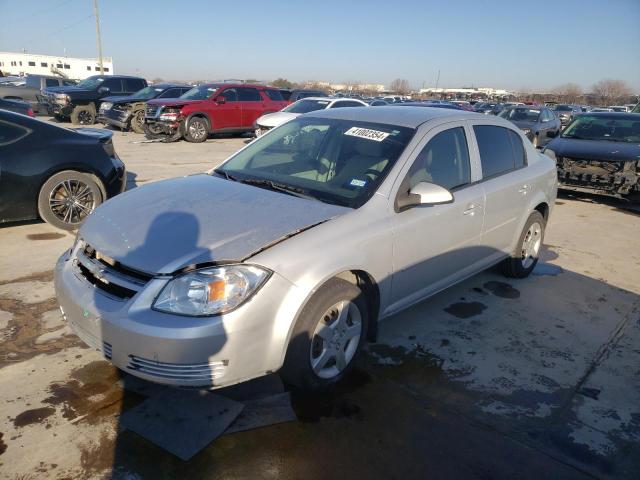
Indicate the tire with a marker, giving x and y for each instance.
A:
(525, 258)
(137, 121)
(196, 130)
(320, 317)
(151, 132)
(83, 115)
(59, 190)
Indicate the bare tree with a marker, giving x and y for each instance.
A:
(400, 85)
(569, 92)
(282, 83)
(610, 91)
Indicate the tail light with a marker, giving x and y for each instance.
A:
(30, 112)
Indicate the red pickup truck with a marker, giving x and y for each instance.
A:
(210, 108)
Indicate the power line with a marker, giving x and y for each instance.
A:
(41, 11)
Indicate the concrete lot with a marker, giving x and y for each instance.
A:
(491, 379)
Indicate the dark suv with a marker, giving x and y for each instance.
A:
(211, 108)
(81, 102)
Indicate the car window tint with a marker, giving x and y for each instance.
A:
(346, 104)
(249, 95)
(274, 95)
(230, 95)
(133, 84)
(171, 93)
(519, 153)
(443, 161)
(113, 84)
(496, 150)
(51, 82)
(10, 133)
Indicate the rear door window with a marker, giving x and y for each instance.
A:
(113, 84)
(249, 95)
(497, 149)
(51, 82)
(132, 85)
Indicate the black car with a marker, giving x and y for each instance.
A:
(539, 124)
(600, 153)
(81, 102)
(488, 108)
(128, 111)
(566, 113)
(58, 174)
(17, 106)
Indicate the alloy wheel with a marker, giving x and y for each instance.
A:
(531, 245)
(72, 201)
(85, 118)
(197, 130)
(335, 339)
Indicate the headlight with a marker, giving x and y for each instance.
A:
(211, 291)
(170, 116)
(62, 97)
(550, 153)
(106, 105)
(526, 131)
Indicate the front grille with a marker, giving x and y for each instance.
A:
(195, 373)
(107, 350)
(109, 276)
(151, 111)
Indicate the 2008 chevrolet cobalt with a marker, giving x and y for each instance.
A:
(286, 256)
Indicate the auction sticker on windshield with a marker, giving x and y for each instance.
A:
(367, 133)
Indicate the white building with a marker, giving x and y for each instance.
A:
(12, 63)
(490, 92)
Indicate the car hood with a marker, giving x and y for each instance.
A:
(172, 102)
(275, 119)
(594, 149)
(121, 99)
(165, 226)
(67, 89)
(523, 124)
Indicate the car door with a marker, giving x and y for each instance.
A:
(506, 182)
(252, 105)
(434, 246)
(228, 114)
(17, 195)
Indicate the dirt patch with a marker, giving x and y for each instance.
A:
(39, 276)
(97, 457)
(45, 236)
(502, 290)
(3, 446)
(465, 309)
(92, 393)
(35, 415)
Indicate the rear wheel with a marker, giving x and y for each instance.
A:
(83, 115)
(328, 336)
(525, 258)
(67, 198)
(137, 121)
(196, 130)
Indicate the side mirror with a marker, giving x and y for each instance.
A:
(103, 90)
(220, 100)
(424, 193)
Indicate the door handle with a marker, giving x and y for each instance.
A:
(471, 209)
(524, 189)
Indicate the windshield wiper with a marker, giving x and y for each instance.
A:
(278, 187)
(224, 174)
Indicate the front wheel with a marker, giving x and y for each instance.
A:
(328, 336)
(67, 198)
(525, 258)
(137, 121)
(83, 115)
(196, 130)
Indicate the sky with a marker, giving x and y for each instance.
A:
(530, 45)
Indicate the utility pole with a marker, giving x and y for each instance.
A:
(437, 80)
(97, 15)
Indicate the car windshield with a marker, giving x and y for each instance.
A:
(91, 83)
(147, 93)
(340, 162)
(520, 114)
(606, 128)
(304, 106)
(563, 108)
(201, 92)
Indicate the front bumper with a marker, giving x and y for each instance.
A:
(117, 118)
(176, 350)
(261, 130)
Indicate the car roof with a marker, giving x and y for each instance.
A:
(402, 116)
(236, 85)
(614, 115)
(170, 85)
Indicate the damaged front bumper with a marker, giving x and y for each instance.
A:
(117, 118)
(608, 177)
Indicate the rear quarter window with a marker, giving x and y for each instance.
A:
(133, 85)
(274, 95)
(501, 150)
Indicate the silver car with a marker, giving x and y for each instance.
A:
(286, 256)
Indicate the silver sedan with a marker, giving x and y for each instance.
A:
(286, 256)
